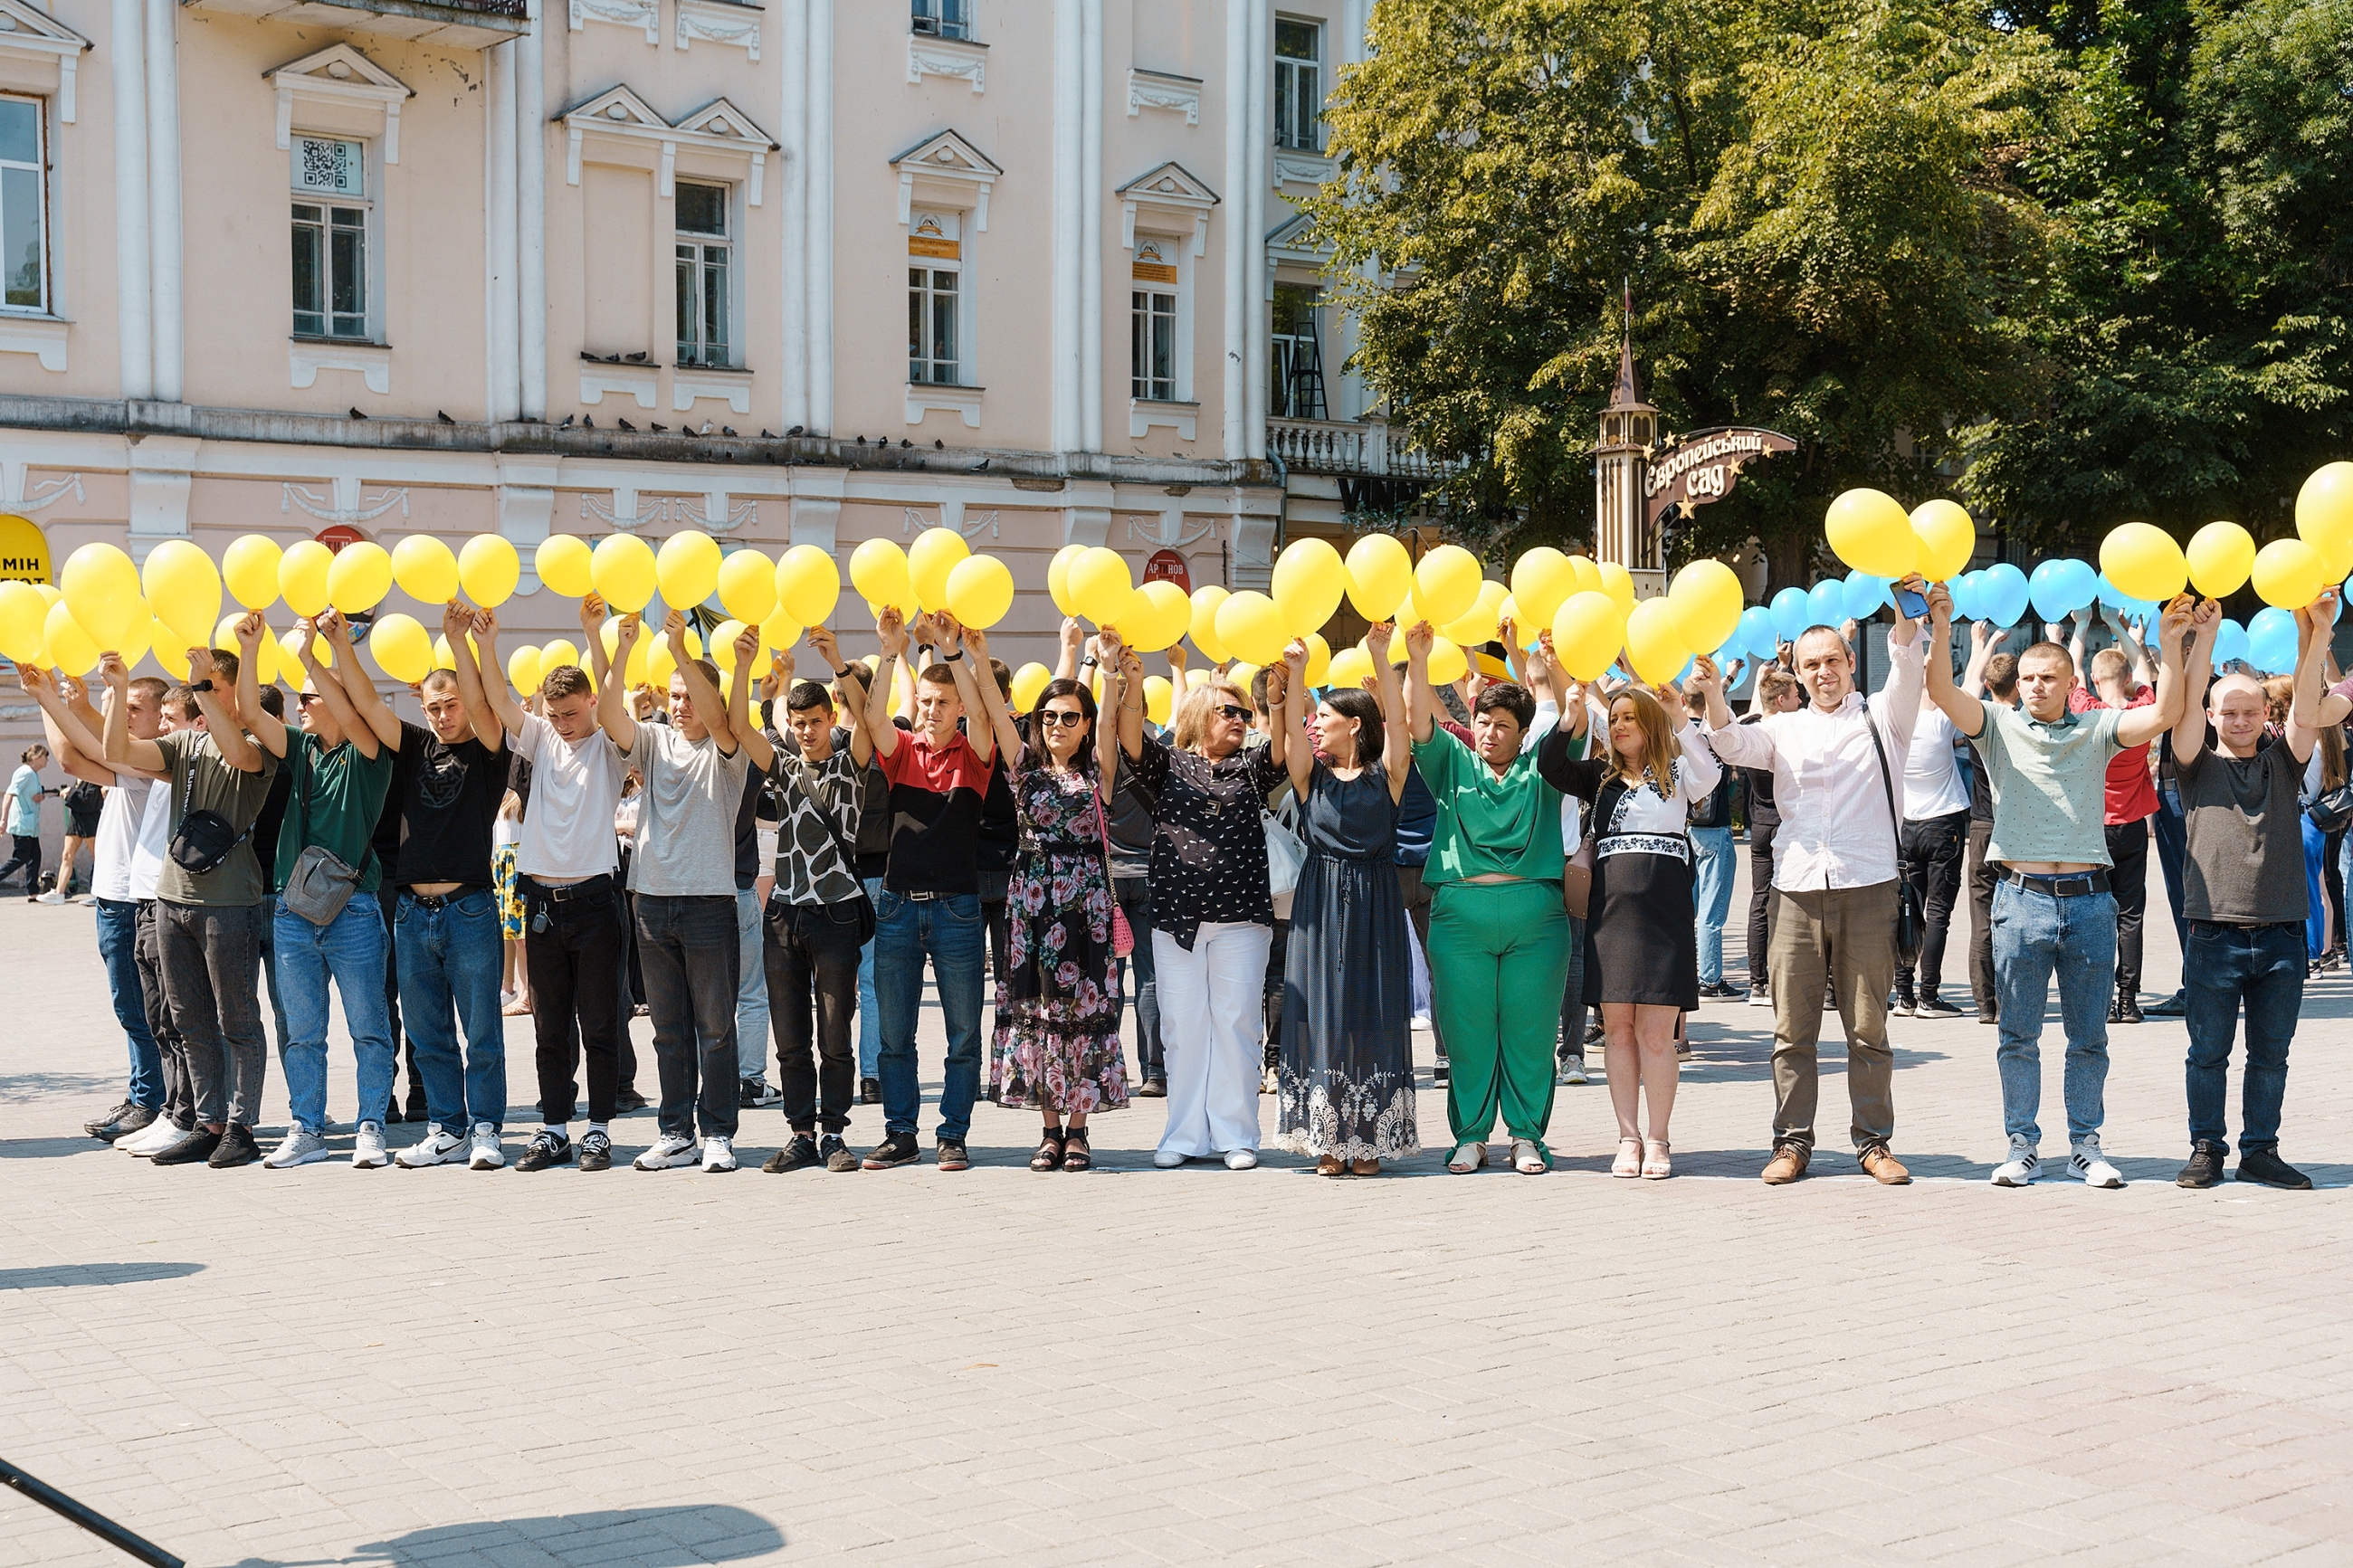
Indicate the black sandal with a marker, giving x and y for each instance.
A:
(1076, 1155)
(1049, 1156)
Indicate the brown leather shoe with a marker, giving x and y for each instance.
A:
(1885, 1168)
(1788, 1164)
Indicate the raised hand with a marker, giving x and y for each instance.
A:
(118, 678)
(976, 642)
(780, 668)
(625, 635)
(250, 629)
(457, 621)
(2172, 624)
(747, 647)
(33, 678)
(946, 634)
(1418, 639)
(1377, 640)
(827, 648)
(1111, 648)
(1294, 657)
(1940, 610)
(1073, 634)
(592, 613)
(891, 629)
(1705, 678)
(486, 628)
(674, 627)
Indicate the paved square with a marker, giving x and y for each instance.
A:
(336, 1366)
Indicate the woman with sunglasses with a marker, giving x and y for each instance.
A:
(1347, 1068)
(1057, 1047)
(1212, 917)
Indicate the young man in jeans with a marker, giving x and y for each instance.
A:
(2244, 899)
(207, 955)
(931, 893)
(2053, 913)
(340, 773)
(683, 874)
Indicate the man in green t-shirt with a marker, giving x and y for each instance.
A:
(340, 773)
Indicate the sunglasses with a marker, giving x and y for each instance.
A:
(1231, 710)
(1055, 718)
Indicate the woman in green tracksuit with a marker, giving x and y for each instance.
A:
(1498, 932)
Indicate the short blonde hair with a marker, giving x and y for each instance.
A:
(1192, 715)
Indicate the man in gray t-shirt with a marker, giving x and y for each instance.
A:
(683, 874)
(2243, 899)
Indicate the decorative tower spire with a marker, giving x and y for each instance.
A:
(1628, 429)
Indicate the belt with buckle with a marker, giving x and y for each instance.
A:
(561, 891)
(2069, 885)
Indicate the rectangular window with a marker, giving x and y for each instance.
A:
(1298, 84)
(24, 207)
(936, 338)
(330, 238)
(944, 18)
(1296, 380)
(705, 275)
(1153, 294)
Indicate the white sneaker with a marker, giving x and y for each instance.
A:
(1166, 1159)
(51, 896)
(1758, 998)
(1572, 1073)
(1242, 1159)
(368, 1147)
(439, 1146)
(718, 1154)
(301, 1146)
(2091, 1167)
(160, 1134)
(483, 1151)
(668, 1152)
(2018, 1170)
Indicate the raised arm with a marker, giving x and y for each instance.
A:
(2082, 622)
(1001, 726)
(1420, 698)
(890, 631)
(266, 727)
(376, 724)
(497, 696)
(1397, 745)
(1124, 683)
(1287, 707)
(330, 687)
(1116, 655)
(592, 639)
(236, 747)
(612, 698)
(2138, 726)
(1074, 638)
(1985, 637)
(78, 750)
(756, 745)
(852, 683)
(739, 695)
(461, 626)
(2313, 623)
(971, 684)
(2198, 672)
(1965, 711)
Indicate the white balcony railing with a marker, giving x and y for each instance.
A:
(1346, 447)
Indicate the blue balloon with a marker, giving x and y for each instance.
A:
(2083, 580)
(1790, 615)
(1865, 594)
(1755, 632)
(1731, 650)
(2230, 643)
(2271, 640)
(2002, 593)
(1826, 605)
(2048, 591)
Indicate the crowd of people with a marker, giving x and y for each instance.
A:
(777, 856)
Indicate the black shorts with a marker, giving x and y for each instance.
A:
(82, 824)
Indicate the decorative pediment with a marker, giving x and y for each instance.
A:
(945, 171)
(1159, 90)
(615, 108)
(1293, 239)
(724, 120)
(1172, 197)
(339, 89)
(39, 54)
(717, 128)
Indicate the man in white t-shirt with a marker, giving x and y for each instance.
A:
(564, 865)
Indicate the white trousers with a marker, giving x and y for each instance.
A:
(1210, 1009)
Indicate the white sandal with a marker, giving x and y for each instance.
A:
(1525, 1159)
(1657, 1160)
(1629, 1162)
(1467, 1158)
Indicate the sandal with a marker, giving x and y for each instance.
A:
(1364, 1167)
(1526, 1159)
(1658, 1162)
(1629, 1162)
(1329, 1166)
(1467, 1158)
(1076, 1155)
(1051, 1155)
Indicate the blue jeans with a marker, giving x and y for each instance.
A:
(2224, 965)
(2316, 923)
(449, 959)
(350, 951)
(1711, 894)
(869, 1011)
(949, 930)
(751, 988)
(2035, 937)
(118, 948)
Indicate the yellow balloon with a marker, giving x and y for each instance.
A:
(102, 586)
(2288, 573)
(1351, 667)
(1099, 586)
(808, 584)
(1655, 649)
(522, 664)
(359, 577)
(249, 570)
(1157, 616)
(23, 614)
(687, 568)
(302, 576)
(878, 570)
(1541, 579)
(779, 632)
(132, 646)
(1870, 531)
(1480, 622)
(2324, 515)
(1318, 669)
(1159, 699)
(1308, 583)
(1206, 605)
(1195, 678)
(1027, 682)
(169, 649)
(722, 642)
(1618, 584)
(1945, 536)
(1448, 662)
(427, 569)
(622, 570)
(554, 656)
(747, 585)
(979, 590)
(638, 672)
(69, 647)
(1588, 630)
(1241, 671)
(1380, 575)
(403, 649)
(935, 553)
(1706, 598)
(489, 570)
(1249, 625)
(563, 562)
(2143, 562)
(1058, 577)
(182, 587)
(660, 664)
(444, 657)
(1588, 577)
(1446, 584)
(2219, 556)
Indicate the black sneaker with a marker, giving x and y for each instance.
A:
(545, 1148)
(596, 1152)
(237, 1147)
(2205, 1167)
(2173, 1007)
(625, 1101)
(756, 1093)
(869, 1091)
(1901, 1005)
(2128, 1010)
(1438, 1073)
(837, 1154)
(194, 1149)
(896, 1149)
(797, 1155)
(2265, 1166)
(951, 1155)
(1153, 1089)
(108, 1128)
(1935, 1007)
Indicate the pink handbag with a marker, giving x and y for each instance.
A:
(1122, 935)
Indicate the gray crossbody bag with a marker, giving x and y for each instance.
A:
(320, 884)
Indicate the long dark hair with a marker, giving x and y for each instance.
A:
(1350, 702)
(1032, 732)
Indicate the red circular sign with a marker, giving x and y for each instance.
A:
(335, 535)
(1167, 566)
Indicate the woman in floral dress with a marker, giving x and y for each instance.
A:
(1057, 1045)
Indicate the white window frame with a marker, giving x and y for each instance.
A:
(954, 225)
(369, 206)
(39, 168)
(731, 240)
(942, 19)
(1287, 68)
(1173, 251)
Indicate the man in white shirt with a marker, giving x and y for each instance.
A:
(1835, 898)
(1936, 840)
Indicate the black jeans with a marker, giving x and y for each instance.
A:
(2128, 880)
(572, 943)
(1135, 895)
(691, 961)
(1760, 902)
(1983, 875)
(1417, 896)
(810, 954)
(387, 897)
(147, 945)
(212, 979)
(1933, 850)
(27, 859)
(1277, 952)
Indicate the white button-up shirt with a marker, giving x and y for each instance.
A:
(1836, 830)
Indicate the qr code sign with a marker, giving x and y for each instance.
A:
(320, 164)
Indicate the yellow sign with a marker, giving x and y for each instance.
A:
(948, 248)
(24, 550)
(1145, 272)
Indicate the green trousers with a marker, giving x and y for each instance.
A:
(1498, 958)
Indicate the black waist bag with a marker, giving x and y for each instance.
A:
(204, 840)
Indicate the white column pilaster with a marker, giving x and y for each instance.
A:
(531, 220)
(164, 237)
(133, 260)
(1234, 218)
(1091, 221)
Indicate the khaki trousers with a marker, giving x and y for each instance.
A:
(1847, 934)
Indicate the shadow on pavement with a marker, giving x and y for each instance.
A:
(60, 1276)
(22, 1086)
(642, 1537)
(47, 1148)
